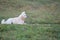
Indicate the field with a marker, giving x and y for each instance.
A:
(30, 32)
(43, 22)
(37, 11)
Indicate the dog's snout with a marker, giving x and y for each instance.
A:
(26, 16)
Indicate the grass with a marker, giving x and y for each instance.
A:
(30, 32)
(42, 22)
(39, 11)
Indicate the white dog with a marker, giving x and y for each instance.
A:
(17, 20)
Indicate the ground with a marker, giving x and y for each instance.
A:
(30, 32)
(43, 22)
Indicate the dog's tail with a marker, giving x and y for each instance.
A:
(3, 21)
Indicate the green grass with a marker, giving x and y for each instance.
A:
(30, 32)
(42, 16)
(39, 11)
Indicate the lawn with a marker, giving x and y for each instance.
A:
(38, 11)
(30, 32)
(43, 21)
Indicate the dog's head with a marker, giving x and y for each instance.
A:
(23, 15)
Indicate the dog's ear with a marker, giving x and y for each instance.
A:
(22, 14)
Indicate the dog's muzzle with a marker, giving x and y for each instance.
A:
(25, 16)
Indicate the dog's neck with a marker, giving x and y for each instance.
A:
(21, 18)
